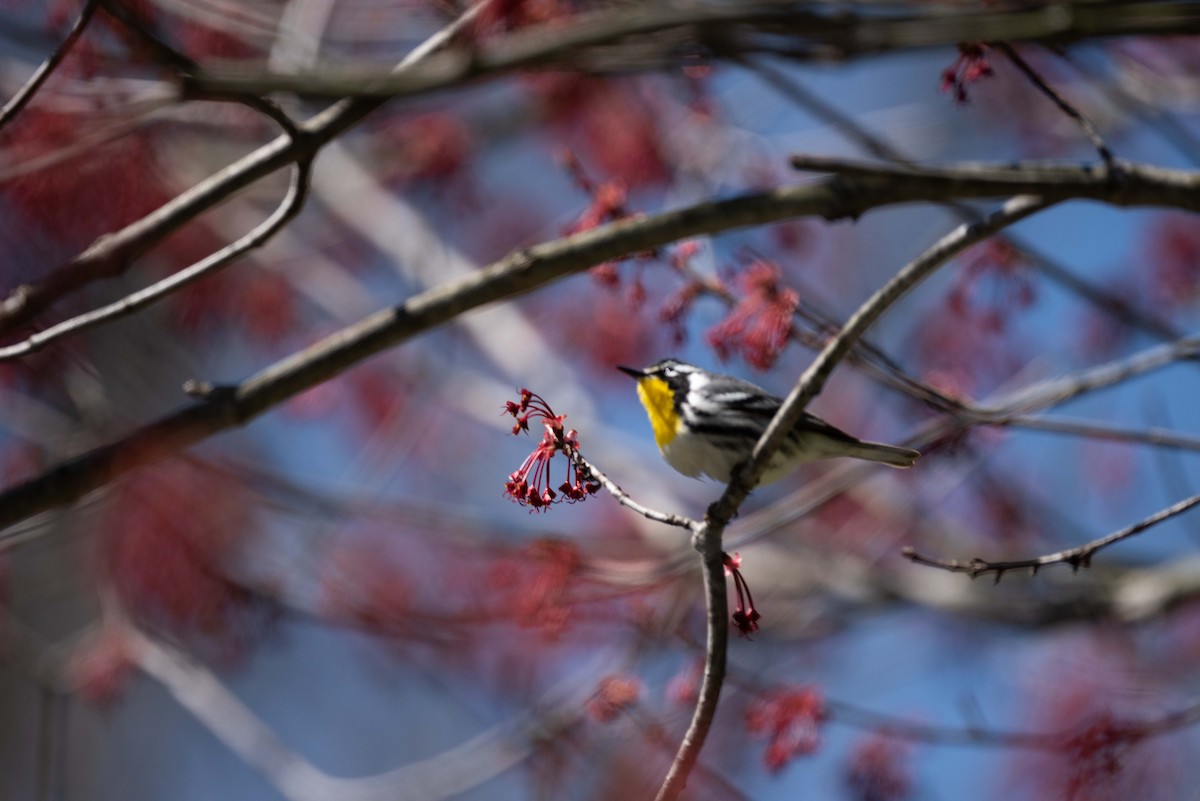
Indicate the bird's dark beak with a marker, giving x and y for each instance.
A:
(631, 371)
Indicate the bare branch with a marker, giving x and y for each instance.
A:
(111, 254)
(653, 35)
(1085, 125)
(1077, 557)
(623, 497)
(21, 99)
(289, 207)
(1159, 437)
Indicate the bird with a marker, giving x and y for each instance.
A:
(706, 424)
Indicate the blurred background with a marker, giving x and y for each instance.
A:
(337, 600)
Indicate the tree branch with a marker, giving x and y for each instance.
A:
(654, 35)
(1114, 305)
(523, 271)
(1077, 557)
(623, 497)
(289, 207)
(1085, 125)
(21, 99)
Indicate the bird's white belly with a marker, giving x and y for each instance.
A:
(694, 456)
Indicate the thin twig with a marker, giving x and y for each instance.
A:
(1158, 437)
(21, 99)
(623, 497)
(1085, 125)
(1077, 557)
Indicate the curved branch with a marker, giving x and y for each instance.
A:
(288, 208)
(111, 254)
(21, 99)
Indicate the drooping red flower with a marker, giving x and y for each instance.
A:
(971, 65)
(758, 327)
(745, 617)
(611, 122)
(529, 485)
(790, 718)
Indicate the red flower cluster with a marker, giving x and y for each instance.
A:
(614, 694)
(1174, 248)
(761, 322)
(529, 485)
(745, 616)
(790, 718)
(994, 284)
(535, 585)
(970, 66)
(1097, 752)
(100, 668)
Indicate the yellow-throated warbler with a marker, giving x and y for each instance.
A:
(706, 424)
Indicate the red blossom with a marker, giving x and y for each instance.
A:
(684, 687)
(971, 65)
(608, 199)
(993, 284)
(614, 694)
(1174, 249)
(98, 189)
(170, 534)
(609, 121)
(675, 308)
(1096, 752)
(759, 325)
(509, 15)
(878, 771)
(367, 587)
(790, 718)
(529, 485)
(99, 668)
(745, 617)
(429, 148)
(535, 586)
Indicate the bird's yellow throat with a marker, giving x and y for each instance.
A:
(659, 401)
